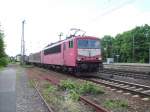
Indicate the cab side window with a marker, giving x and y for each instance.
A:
(71, 44)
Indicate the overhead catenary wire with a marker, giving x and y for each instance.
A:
(106, 12)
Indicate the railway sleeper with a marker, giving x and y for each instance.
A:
(139, 89)
(146, 91)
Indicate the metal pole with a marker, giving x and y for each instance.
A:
(149, 52)
(22, 44)
(148, 45)
(21, 53)
(133, 50)
(61, 34)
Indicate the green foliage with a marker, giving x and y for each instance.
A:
(3, 61)
(72, 87)
(112, 104)
(64, 103)
(1, 68)
(68, 85)
(91, 88)
(75, 89)
(3, 56)
(131, 46)
(26, 66)
(107, 49)
(49, 88)
(31, 82)
(74, 95)
(70, 106)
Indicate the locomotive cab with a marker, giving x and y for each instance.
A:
(89, 54)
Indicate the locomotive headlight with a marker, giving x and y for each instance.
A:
(79, 59)
(99, 58)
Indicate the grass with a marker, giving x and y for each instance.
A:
(113, 104)
(1, 68)
(31, 83)
(49, 89)
(63, 102)
(75, 89)
(68, 85)
(13, 62)
(27, 66)
(90, 88)
(71, 106)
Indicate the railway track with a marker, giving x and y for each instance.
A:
(132, 74)
(136, 89)
(97, 107)
(134, 67)
(46, 104)
(133, 88)
(56, 81)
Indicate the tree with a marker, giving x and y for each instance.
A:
(3, 56)
(131, 46)
(107, 49)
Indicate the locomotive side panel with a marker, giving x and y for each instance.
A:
(53, 55)
(69, 53)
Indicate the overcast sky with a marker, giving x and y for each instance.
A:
(45, 19)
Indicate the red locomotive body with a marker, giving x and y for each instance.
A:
(76, 54)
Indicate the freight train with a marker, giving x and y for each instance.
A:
(77, 53)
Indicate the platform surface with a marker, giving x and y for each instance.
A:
(7, 90)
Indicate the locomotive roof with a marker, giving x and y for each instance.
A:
(67, 39)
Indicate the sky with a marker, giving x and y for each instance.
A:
(45, 19)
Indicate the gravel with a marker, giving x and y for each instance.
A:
(57, 102)
(28, 99)
(134, 104)
(145, 82)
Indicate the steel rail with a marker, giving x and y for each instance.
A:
(97, 107)
(46, 104)
(121, 87)
(132, 74)
(128, 83)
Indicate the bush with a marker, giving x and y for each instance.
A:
(74, 95)
(68, 85)
(91, 88)
(115, 104)
(76, 89)
(49, 88)
(3, 61)
(141, 61)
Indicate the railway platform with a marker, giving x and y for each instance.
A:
(15, 93)
(129, 64)
(139, 67)
(7, 90)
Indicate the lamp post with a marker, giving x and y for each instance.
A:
(22, 44)
(60, 35)
(148, 44)
(133, 49)
(149, 52)
(105, 49)
(117, 58)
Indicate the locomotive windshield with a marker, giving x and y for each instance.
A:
(88, 44)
